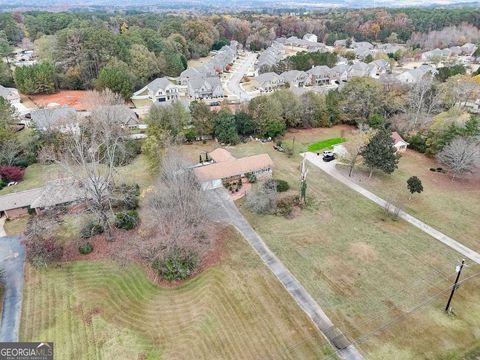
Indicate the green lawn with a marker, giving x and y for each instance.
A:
(366, 270)
(233, 310)
(37, 175)
(452, 207)
(16, 226)
(325, 144)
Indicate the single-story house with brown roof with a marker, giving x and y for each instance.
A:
(56, 192)
(17, 204)
(225, 167)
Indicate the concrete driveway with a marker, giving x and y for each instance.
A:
(225, 210)
(12, 257)
(330, 168)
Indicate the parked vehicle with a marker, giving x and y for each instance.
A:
(328, 157)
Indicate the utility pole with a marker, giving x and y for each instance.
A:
(459, 271)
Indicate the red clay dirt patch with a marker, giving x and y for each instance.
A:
(73, 98)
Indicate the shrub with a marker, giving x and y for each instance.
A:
(251, 177)
(126, 196)
(286, 203)
(263, 200)
(176, 265)
(85, 249)
(282, 185)
(91, 228)
(11, 173)
(418, 143)
(41, 252)
(433, 169)
(3, 183)
(126, 220)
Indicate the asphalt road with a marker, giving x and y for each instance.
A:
(12, 257)
(239, 71)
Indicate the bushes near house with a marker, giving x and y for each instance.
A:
(251, 177)
(85, 249)
(126, 220)
(41, 252)
(90, 228)
(126, 196)
(11, 173)
(286, 204)
(176, 265)
(282, 185)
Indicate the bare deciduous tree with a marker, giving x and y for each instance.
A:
(177, 210)
(355, 145)
(90, 156)
(422, 101)
(461, 155)
(9, 151)
(105, 97)
(264, 199)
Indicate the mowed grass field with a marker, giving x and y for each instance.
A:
(233, 310)
(367, 271)
(452, 207)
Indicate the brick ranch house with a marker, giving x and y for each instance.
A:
(56, 192)
(224, 167)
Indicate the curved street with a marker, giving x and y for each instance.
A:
(240, 69)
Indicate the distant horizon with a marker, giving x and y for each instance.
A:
(66, 5)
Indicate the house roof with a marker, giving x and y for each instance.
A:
(220, 155)
(293, 75)
(60, 191)
(8, 92)
(19, 199)
(267, 77)
(189, 73)
(118, 114)
(233, 167)
(159, 83)
(321, 70)
(397, 138)
(48, 117)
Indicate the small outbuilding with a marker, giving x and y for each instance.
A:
(400, 144)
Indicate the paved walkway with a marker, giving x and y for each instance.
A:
(12, 256)
(329, 168)
(226, 211)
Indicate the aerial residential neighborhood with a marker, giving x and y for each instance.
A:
(245, 180)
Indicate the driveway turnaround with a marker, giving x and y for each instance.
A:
(330, 169)
(12, 256)
(226, 211)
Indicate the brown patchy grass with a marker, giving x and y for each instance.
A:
(366, 270)
(233, 310)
